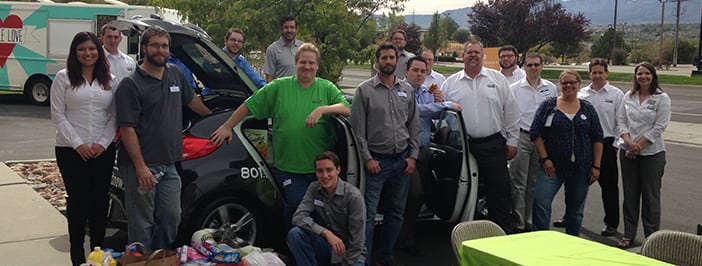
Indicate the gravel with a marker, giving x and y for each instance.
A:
(44, 177)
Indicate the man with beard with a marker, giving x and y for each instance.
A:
(301, 106)
(280, 55)
(386, 122)
(398, 38)
(149, 114)
(508, 64)
(529, 92)
(491, 117)
(233, 43)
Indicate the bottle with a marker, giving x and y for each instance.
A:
(96, 257)
(142, 190)
(108, 260)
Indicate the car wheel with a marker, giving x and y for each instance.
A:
(37, 90)
(233, 215)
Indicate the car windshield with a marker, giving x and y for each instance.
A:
(207, 66)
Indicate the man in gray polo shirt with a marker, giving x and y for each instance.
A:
(149, 114)
(280, 55)
(385, 119)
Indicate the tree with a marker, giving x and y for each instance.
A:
(436, 36)
(526, 24)
(450, 25)
(602, 47)
(461, 36)
(336, 27)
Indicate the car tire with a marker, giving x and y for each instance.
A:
(37, 90)
(242, 216)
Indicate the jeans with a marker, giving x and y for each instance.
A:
(394, 187)
(153, 216)
(294, 188)
(310, 249)
(576, 188)
(87, 185)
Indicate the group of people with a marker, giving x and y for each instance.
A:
(548, 140)
(575, 139)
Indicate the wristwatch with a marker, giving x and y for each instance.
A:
(542, 160)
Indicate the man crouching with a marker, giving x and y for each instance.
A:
(329, 224)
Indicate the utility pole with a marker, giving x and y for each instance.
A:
(614, 37)
(660, 51)
(677, 24)
(698, 59)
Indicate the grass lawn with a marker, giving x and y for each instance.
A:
(552, 74)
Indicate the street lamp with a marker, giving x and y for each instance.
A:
(660, 51)
(614, 39)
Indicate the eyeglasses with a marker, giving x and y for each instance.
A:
(158, 45)
(507, 56)
(533, 65)
(236, 40)
(569, 82)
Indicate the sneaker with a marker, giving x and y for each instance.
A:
(608, 231)
(560, 223)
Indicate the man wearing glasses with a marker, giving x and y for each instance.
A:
(149, 103)
(233, 42)
(508, 63)
(529, 92)
(433, 77)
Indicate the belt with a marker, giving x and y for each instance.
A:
(523, 130)
(388, 156)
(485, 139)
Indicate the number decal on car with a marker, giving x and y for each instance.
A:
(252, 172)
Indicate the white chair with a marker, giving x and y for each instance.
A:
(675, 247)
(473, 230)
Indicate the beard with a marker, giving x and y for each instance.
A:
(507, 66)
(152, 59)
(388, 69)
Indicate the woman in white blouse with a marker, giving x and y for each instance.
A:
(83, 112)
(642, 155)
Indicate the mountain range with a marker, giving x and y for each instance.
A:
(600, 12)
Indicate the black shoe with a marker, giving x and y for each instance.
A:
(608, 231)
(560, 223)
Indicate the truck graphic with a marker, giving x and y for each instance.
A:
(35, 38)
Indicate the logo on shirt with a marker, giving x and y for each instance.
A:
(316, 101)
(492, 86)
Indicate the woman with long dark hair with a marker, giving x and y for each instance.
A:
(83, 111)
(644, 117)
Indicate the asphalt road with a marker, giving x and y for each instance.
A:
(27, 134)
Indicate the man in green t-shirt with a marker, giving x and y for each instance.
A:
(298, 105)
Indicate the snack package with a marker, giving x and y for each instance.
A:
(433, 88)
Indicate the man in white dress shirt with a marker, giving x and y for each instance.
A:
(509, 56)
(606, 99)
(433, 77)
(491, 116)
(120, 63)
(529, 92)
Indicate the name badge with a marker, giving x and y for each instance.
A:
(401, 94)
(174, 88)
(287, 182)
(318, 203)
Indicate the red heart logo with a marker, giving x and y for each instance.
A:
(11, 22)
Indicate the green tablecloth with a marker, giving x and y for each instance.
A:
(546, 248)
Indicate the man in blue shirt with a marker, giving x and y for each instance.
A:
(234, 41)
(430, 106)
